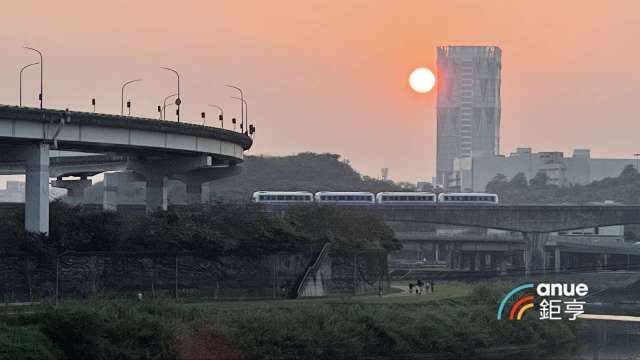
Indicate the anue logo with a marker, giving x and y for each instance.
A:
(553, 303)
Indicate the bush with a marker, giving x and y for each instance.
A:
(304, 330)
(26, 343)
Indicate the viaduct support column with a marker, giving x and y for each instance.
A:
(534, 253)
(37, 188)
(111, 185)
(157, 193)
(197, 193)
(556, 259)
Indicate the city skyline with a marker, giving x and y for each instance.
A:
(343, 70)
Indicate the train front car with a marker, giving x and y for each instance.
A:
(406, 198)
(282, 197)
(345, 198)
(468, 199)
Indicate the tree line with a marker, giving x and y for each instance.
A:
(623, 189)
(212, 231)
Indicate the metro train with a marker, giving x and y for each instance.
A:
(368, 198)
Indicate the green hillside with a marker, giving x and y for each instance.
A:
(305, 172)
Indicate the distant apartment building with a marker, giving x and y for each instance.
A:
(473, 173)
(468, 110)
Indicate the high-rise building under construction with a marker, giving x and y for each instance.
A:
(468, 111)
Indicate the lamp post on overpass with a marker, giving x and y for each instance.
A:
(40, 96)
(21, 70)
(122, 95)
(220, 117)
(246, 113)
(241, 104)
(164, 106)
(178, 100)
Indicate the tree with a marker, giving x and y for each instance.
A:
(519, 181)
(498, 184)
(540, 180)
(629, 173)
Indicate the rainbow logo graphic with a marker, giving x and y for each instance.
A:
(520, 307)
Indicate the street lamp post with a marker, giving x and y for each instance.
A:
(164, 106)
(241, 103)
(178, 100)
(220, 117)
(21, 70)
(246, 113)
(122, 95)
(41, 73)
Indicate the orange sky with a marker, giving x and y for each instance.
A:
(331, 76)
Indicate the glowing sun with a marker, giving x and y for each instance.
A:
(422, 80)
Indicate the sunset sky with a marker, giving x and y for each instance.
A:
(331, 76)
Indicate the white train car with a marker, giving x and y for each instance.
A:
(406, 198)
(282, 197)
(467, 199)
(345, 198)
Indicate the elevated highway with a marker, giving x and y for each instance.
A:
(37, 142)
(534, 222)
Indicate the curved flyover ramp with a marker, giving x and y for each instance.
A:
(43, 142)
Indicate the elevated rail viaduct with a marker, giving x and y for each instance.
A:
(534, 222)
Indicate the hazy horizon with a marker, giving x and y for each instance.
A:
(332, 76)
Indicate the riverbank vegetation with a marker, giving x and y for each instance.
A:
(308, 329)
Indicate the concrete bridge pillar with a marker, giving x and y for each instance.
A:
(477, 264)
(534, 253)
(197, 192)
(75, 188)
(111, 185)
(157, 193)
(502, 262)
(556, 259)
(37, 188)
